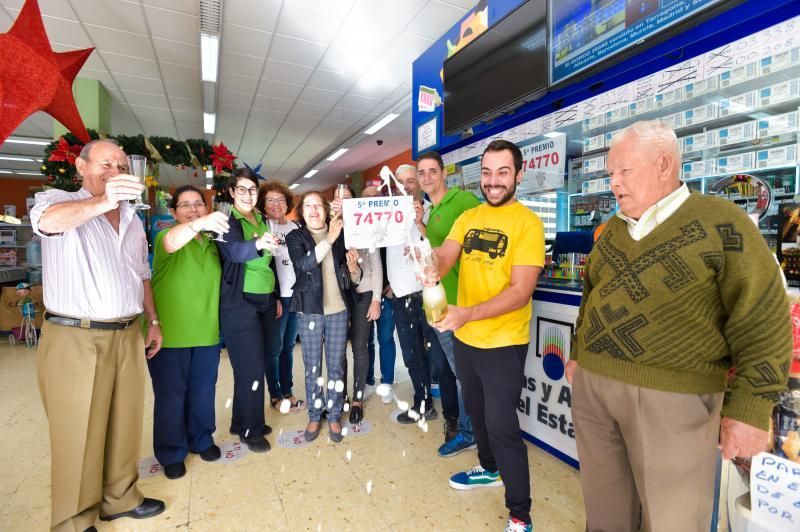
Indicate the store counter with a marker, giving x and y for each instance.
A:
(544, 407)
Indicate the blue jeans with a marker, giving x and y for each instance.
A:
(279, 364)
(388, 349)
(184, 383)
(464, 422)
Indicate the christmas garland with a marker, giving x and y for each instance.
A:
(60, 155)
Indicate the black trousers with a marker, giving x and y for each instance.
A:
(249, 331)
(491, 384)
(359, 338)
(410, 321)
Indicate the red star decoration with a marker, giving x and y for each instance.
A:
(34, 78)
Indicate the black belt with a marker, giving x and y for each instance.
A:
(86, 323)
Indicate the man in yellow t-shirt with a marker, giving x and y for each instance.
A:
(500, 249)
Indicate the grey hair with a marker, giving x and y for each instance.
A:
(406, 168)
(87, 148)
(651, 134)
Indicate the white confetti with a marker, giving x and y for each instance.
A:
(360, 260)
(383, 390)
(428, 345)
(286, 405)
(422, 406)
(255, 385)
(404, 453)
(372, 249)
(421, 422)
(345, 430)
(311, 326)
(313, 369)
(320, 381)
(369, 487)
(283, 468)
(308, 253)
(348, 455)
(411, 326)
(228, 403)
(346, 407)
(246, 432)
(402, 405)
(408, 302)
(413, 415)
(359, 394)
(280, 432)
(319, 527)
(339, 386)
(331, 384)
(317, 453)
(330, 404)
(424, 427)
(318, 403)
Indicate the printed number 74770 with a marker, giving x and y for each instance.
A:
(372, 217)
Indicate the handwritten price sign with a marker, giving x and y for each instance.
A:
(543, 165)
(371, 223)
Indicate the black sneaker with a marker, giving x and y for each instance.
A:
(256, 444)
(412, 416)
(450, 427)
(176, 470)
(431, 413)
(212, 454)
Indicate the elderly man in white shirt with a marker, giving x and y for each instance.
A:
(90, 362)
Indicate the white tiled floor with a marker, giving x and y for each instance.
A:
(312, 488)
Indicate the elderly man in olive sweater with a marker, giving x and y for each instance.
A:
(680, 288)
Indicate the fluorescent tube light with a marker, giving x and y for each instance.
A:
(35, 142)
(381, 123)
(311, 173)
(209, 56)
(337, 154)
(294, 186)
(209, 123)
(20, 159)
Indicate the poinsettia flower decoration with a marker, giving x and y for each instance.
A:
(65, 152)
(222, 158)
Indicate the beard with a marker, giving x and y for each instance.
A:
(509, 195)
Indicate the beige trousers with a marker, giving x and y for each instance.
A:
(92, 387)
(645, 453)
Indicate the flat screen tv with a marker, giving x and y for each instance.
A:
(500, 70)
(584, 33)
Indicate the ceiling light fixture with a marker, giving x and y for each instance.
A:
(209, 123)
(292, 187)
(34, 141)
(20, 159)
(338, 153)
(29, 173)
(553, 134)
(311, 173)
(380, 123)
(209, 55)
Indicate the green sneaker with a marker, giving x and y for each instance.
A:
(477, 477)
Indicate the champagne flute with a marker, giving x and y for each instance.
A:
(137, 166)
(225, 208)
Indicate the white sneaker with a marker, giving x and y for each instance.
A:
(369, 389)
(389, 397)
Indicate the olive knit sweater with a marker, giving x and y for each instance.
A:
(674, 311)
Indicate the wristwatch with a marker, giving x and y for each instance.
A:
(153, 322)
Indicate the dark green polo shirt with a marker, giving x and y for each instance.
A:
(258, 276)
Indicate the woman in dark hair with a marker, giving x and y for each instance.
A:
(249, 307)
(186, 277)
(275, 200)
(323, 299)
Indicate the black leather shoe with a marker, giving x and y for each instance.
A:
(356, 415)
(148, 508)
(90, 529)
(176, 470)
(257, 444)
(266, 432)
(311, 436)
(212, 454)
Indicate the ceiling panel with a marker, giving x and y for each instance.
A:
(395, 15)
(49, 8)
(265, 115)
(313, 110)
(148, 99)
(260, 15)
(320, 96)
(287, 91)
(184, 6)
(335, 81)
(240, 64)
(273, 104)
(129, 44)
(178, 52)
(358, 103)
(132, 66)
(429, 24)
(173, 25)
(308, 23)
(238, 83)
(245, 40)
(173, 72)
(296, 51)
(186, 104)
(193, 91)
(122, 16)
(287, 72)
(412, 47)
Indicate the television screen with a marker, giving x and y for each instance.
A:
(585, 32)
(501, 69)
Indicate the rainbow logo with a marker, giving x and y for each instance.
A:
(553, 353)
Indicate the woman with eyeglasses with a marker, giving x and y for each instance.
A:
(274, 201)
(186, 277)
(323, 299)
(249, 307)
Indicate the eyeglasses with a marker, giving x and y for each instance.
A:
(190, 205)
(275, 201)
(244, 190)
